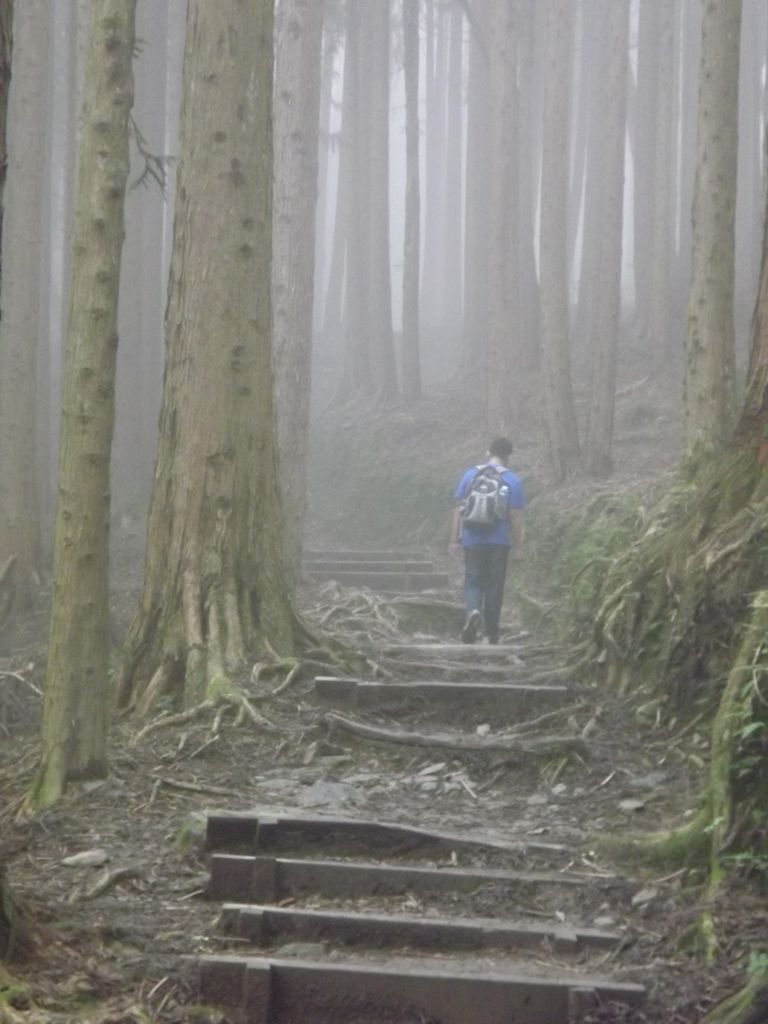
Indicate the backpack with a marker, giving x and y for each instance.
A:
(487, 498)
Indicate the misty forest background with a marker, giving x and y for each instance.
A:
(360, 237)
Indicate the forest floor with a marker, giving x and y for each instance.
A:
(111, 930)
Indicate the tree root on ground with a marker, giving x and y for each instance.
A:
(512, 748)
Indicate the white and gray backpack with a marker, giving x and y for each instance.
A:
(487, 498)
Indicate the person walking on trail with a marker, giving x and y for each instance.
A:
(487, 523)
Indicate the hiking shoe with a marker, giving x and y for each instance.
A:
(471, 627)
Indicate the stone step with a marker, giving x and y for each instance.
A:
(385, 582)
(246, 879)
(269, 925)
(517, 698)
(282, 991)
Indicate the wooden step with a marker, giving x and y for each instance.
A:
(280, 991)
(269, 925)
(246, 879)
(516, 698)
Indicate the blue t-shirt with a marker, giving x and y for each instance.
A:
(499, 533)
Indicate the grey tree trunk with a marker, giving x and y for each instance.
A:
(215, 586)
(436, 75)
(296, 127)
(450, 256)
(477, 207)
(380, 301)
(22, 313)
(709, 347)
(661, 331)
(411, 358)
(358, 377)
(502, 383)
(75, 709)
(646, 126)
(560, 414)
(607, 325)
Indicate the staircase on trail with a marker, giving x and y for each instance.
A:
(337, 920)
(387, 572)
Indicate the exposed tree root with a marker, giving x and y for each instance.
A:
(513, 748)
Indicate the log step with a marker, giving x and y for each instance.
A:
(268, 925)
(518, 698)
(264, 990)
(249, 879)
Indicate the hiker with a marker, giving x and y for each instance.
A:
(487, 521)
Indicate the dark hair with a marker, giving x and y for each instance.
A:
(501, 447)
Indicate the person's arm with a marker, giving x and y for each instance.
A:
(455, 541)
(517, 530)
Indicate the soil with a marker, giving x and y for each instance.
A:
(109, 940)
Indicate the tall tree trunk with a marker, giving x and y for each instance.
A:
(608, 308)
(709, 340)
(646, 126)
(451, 249)
(411, 359)
(325, 148)
(432, 291)
(690, 60)
(528, 190)
(75, 709)
(660, 329)
(358, 376)
(332, 324)
(214, 585)
(477, 219)
(380, 302)
(562, 431)
(296, 120)
(22, 320)
(503, 283)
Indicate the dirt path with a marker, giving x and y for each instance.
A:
(115, 927)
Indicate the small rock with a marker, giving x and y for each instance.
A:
(537, 800)
(483, 730)
(647, 782)
(307, 950)
(628, 806)
(644, 896)
(86, 859)
(605, 922)
(428, 785)
(559, 789)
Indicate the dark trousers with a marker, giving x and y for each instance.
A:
(485, 569)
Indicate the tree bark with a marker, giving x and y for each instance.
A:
(75, 709)
(411, 359)
(296, 120)
(709, 342)
(477, 204)
(560, 413)
(502, 381)
(23, 104)
(607, 325)
(215, 585)
(380, 302)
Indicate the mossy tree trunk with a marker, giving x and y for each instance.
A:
(710, 334)
(75, 710)
(297, 118)
(214, 584)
